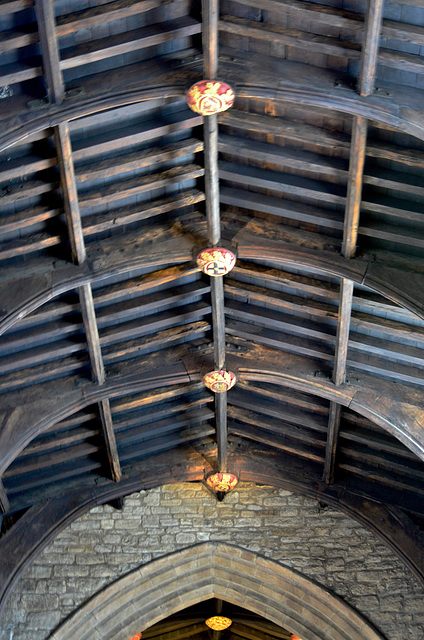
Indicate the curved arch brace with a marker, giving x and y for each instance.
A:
(27, 124)
(395, 407)
(393, 112)
(303, 249)
(22, 295)
(306, 86)
(42, 523)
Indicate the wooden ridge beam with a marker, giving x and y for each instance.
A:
(210, 136)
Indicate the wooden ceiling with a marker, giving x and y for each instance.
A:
(190, 623)
(111, 185)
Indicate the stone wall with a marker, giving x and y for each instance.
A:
(323, 544)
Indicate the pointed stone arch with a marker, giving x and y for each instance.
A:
(176, 581)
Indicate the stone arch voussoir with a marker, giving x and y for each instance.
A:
(179, 580)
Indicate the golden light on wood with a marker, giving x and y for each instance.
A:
(218, 623)
(137, 636)
(208, 97)
(222, 481)
(216, 261)
(293, 637)
(219, 381)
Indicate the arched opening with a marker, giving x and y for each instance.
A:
(179, 580)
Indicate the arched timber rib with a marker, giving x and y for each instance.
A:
(21, 292)
(42, 523)
(292, 82)
(300, 84)
(23, 124)
(259, 241)
(395, 407)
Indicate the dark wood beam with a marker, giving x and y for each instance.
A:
(282, 246)
(350, 234)
(132, 40)
(92, 333)
(222, 433)
(393, 406)
(95, 16)
(44, 12)
(290, 37)
(157, 247)
(45, 406)
(210, 38)
(293, 83)
(343, 326)
(339, 376)
(4, 500)
(354, 188)
(110, 439)
(73, 216)
(332, 442)
(69, 191)
(22, 292)
(263, 364)
(370, 44)
(210, 134)
(218, 319)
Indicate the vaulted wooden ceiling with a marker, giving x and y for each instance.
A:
(111, 185)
